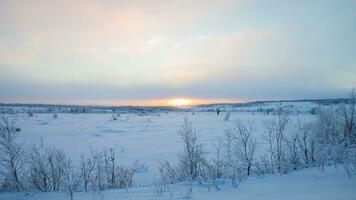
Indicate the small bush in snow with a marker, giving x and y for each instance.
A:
(227, 116)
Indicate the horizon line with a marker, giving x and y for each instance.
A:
(170, 106)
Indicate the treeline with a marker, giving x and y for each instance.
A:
(329, 139)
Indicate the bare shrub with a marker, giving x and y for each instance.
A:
(46, 168)
(263, 166)
(166, 178)
(55, 115)
(350, 162)
(160, 186)
(227, 116)
(139, 166)
(191, 159)
(114, 117)
(167, 173)
(30, 113)
(329, 142)
(216, 170)
(39, 169)
(12, 160)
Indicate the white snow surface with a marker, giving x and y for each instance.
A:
(153, 136)
(147, 138)
(308, 184)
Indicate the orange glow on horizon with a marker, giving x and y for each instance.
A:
(180, 102)
(174, 101)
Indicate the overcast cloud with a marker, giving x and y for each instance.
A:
(86, 50)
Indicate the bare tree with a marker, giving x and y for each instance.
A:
(292, 144)
(55, 158)
(232, 164)
(216, 171)
(275, 135)
(191, 159)
(110, 167)
(269, 137)
(349, 120)
(244, 145)
(98, 182)
(70, 179)
(349, 117)
(329, 141)
(12, 156)
(305, 142)
(124, 176)
(280, 125)
(88, 165)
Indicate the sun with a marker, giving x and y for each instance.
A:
(179, 102)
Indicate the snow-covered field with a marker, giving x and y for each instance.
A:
(145, 138)
(153, 136)
(308, 184)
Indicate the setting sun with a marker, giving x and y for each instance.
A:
(179, 102)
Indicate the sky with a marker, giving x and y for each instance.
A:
(146, 52)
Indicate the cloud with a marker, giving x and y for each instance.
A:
(205, 49)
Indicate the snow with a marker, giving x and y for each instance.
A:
(146, 138)
(295, 107)
(308, 184)
(153, 136)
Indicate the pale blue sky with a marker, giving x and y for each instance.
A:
(107, 51)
